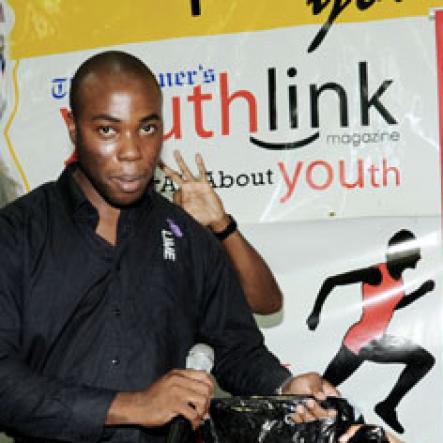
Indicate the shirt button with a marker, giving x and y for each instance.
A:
(115, 361)
(117, 312)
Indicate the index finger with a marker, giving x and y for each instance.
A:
(171, 173)
(183, 166)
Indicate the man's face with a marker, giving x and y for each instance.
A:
(118, 134)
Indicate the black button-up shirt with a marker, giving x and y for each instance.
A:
(81, 320)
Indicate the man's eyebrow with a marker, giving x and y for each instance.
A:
(106, 117)
(150, 117)
(110, 118)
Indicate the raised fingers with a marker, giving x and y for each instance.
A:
(201, 167)
(187, 174)
(171, 173)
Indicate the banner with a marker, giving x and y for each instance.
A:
(314, 137)
(319, 124)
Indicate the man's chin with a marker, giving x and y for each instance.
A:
(122, 201)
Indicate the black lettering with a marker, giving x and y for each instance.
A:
(395, 136)
(292, 94)
(318, 7)
(168, 185)
(384, 136)
(346, 139)
(343, 108)
(195, 8)
(338, 7)
(272, 99)
(364, 4)
(226, 180)
(210, 177)
(367, 138)
(367, 103)
(257, 179)
(242, 180)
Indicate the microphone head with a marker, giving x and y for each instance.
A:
(201, 357)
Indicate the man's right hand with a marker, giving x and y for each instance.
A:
(196, 195)
(185, 392)
(314, 385)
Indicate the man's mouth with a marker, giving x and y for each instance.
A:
(129, 183)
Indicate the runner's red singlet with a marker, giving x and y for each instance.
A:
(379, 302)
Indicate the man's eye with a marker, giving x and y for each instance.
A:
(149, 129)
(105, 130)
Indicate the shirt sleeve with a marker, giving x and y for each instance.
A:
(30, 403)
(243, 364)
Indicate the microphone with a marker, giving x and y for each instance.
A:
(200, 357)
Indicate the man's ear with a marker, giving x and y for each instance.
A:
(71, 125)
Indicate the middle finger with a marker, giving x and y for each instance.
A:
(183, 166)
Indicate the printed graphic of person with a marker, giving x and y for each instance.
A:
(383, 292)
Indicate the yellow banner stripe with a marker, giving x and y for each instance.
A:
(53, 26)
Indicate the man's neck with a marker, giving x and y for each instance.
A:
(108, 214)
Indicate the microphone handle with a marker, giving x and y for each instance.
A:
(180, 430)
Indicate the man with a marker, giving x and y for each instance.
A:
(383, 292)
(197, 197)
(105, 286)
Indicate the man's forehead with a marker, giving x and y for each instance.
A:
(102, 84)
(100, 76)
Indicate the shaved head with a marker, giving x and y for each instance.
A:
(116, 63)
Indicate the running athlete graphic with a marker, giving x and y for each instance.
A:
(383, 292)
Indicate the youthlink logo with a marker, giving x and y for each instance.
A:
(283, 103)
(202, 103)
(368, 99)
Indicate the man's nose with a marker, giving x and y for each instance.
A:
(129, 148)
